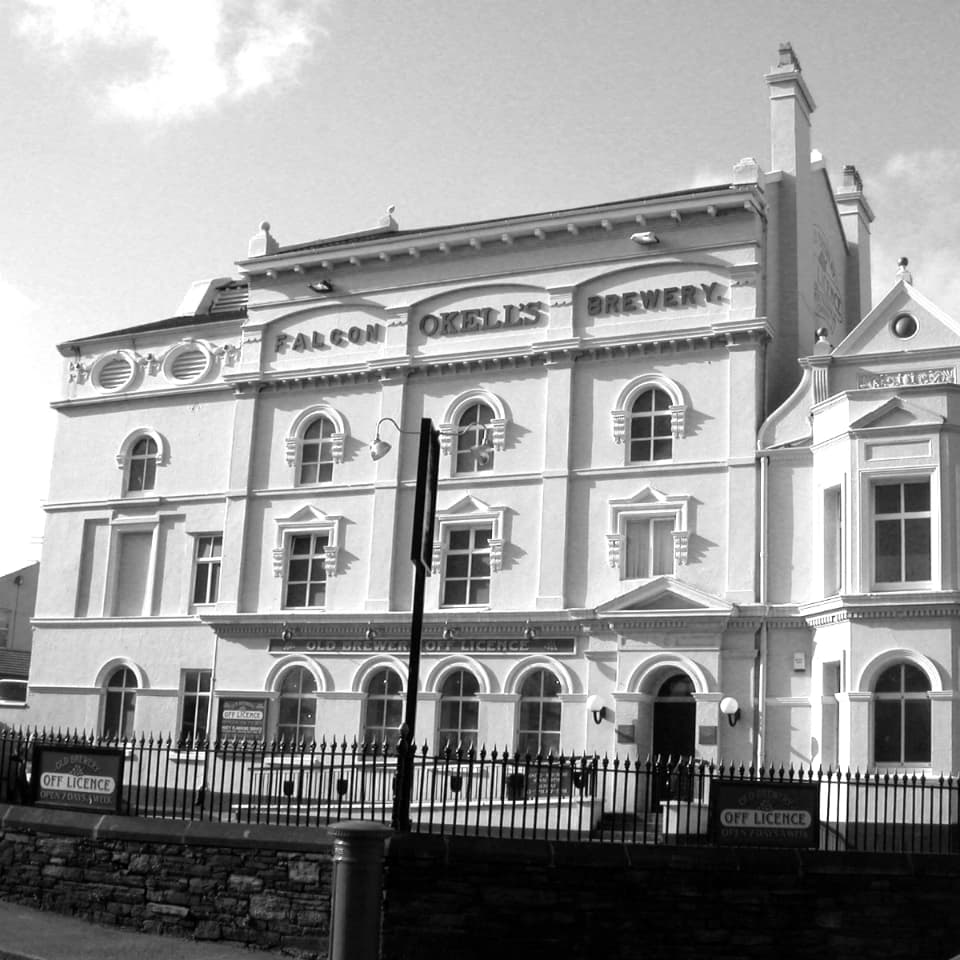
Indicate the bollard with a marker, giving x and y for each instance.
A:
(357, 889)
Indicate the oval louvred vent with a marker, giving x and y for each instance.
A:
(188, 365)
(115, 373)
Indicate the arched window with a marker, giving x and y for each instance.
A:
(459, 711)
(651, 429)
(142, 468)
(538, 730)
(120, 703)
(297, 719)
(901, 715)
(383, 713)
(474, 439)
(317, 452)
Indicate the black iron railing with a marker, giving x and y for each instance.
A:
(493, 793)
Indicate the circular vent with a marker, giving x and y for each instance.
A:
(115, 373)
(904, 326)
(188, 365)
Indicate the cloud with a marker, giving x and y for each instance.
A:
(26, 428)
(916, 199)
(158, 62)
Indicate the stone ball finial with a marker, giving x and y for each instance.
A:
(822, 333)
(387, 220)
(903, 270)
(263, 243)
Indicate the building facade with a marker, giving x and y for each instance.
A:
(18, 595)
(224, 556)
(864, 454)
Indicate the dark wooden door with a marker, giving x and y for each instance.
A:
(674, 739)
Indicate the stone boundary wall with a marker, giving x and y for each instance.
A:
(475, 898)
(262, 886)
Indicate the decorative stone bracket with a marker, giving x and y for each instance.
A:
(677, 423)
(615, 544)
(292, 445)
(496, 555)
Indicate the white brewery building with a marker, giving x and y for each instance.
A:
(682, 461)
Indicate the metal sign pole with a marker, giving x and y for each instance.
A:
(421, 553)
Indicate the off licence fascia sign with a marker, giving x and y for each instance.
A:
(78, 778)
(754, 814)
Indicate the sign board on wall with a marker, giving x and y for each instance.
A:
(78, 778)
(752, 814)
(243, 719)
(402, 645)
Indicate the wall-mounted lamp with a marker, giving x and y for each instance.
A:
(449, 632)
(529, 633)
(480, 450)
(286, 634)
(646, 238)
(731, 708)
(370, 633)
(596, 707)
(380, 448)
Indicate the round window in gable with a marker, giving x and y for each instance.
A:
(114, 371)
(904, 326)
(187, 363)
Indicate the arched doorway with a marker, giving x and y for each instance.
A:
(674, 737)
(675, 718)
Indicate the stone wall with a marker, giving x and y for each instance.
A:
(473, 898)
(266, 887)
(479, 898)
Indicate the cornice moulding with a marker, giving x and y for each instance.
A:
(473, 238)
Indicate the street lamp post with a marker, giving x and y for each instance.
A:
(421, 553)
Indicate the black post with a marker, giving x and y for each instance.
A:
(421, 553)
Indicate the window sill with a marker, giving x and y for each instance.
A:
(20, 704)
(902, 586)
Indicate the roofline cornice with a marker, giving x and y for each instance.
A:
(355, 248)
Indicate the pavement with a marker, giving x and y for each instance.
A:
(30, 934)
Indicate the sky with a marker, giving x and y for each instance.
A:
(144, 142)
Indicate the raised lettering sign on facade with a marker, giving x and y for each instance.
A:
(479, 319)
(315, 340)
(906, 378)
(402, 645)
(659, 298)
